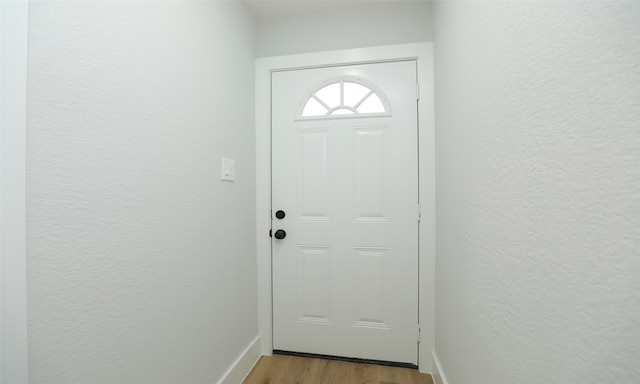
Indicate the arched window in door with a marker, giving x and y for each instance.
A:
(343, 97)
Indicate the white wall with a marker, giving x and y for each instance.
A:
(309, 27)
(538, 185)
(342, 25)
(141, 262)
(13, 292)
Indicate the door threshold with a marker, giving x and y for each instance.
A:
(347, 359)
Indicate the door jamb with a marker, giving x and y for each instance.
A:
(423, 53)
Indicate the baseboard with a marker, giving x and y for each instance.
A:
(243, 364)
(438, 373)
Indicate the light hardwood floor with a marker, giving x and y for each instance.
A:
(282, 369)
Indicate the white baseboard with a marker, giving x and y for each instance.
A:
(438, 373)
(243, 364)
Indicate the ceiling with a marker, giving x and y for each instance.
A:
(270, 9)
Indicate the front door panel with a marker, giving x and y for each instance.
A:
(345, 276)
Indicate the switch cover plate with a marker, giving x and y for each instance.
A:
(228, 169)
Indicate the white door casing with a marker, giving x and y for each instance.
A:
(423, 52)
(345, 278)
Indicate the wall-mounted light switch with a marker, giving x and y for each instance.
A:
(228, 169)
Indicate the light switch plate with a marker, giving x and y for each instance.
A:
(228, 169)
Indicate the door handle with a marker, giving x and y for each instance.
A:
(280, 234)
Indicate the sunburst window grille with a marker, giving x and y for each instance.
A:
(342, 98)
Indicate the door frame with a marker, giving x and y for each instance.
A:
(14, 22)
(423, 54)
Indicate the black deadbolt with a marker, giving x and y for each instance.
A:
(280, 234)
(280, 214)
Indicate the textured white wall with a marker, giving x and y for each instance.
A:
(141, 262)
(538, 191)
(348, 24)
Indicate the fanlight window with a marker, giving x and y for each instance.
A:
(344, 97)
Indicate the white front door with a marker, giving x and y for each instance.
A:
(345, 211)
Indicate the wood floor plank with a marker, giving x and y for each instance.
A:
(283, 369)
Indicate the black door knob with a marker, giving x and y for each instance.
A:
(280, 214)
(280, 234)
